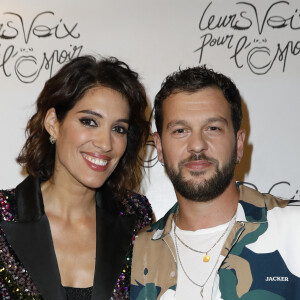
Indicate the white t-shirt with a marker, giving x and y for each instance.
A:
(203, 273)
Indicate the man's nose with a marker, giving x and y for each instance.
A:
(197, 143)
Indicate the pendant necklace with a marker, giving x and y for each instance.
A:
(206, 258)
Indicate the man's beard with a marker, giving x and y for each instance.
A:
(207, 189)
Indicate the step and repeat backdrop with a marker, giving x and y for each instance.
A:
(256, 43)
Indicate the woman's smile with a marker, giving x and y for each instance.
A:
(96, 161)
(92, 138)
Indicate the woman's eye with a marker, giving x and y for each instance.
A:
(88, 122)
(120, 129)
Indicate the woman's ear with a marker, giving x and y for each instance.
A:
(51, 123)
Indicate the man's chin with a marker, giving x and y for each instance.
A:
(201, 175)
(197, 180)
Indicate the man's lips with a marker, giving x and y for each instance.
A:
(96, 161)
(198, 164)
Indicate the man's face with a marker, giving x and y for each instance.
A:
(198, 145)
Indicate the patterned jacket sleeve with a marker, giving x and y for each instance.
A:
(138, 205)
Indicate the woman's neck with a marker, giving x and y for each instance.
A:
(70, 201)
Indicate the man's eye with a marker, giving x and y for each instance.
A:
(214, 128)
(88, 122)
(120, 129)
(180, 130)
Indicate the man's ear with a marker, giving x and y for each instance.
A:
(158, 146)
(51, 123)
(240, 138)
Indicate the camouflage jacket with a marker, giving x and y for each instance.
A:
(259, 260)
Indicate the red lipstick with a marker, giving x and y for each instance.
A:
(96, 161)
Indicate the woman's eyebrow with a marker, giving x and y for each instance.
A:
(94, 113)
(90, 112)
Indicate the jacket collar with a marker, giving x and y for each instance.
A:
(252, 206)
(163, 226)
(30, 237)
(251, 209)
(30, 206)
(113, 238)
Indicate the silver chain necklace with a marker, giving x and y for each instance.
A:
(206, 257)
(201, 286)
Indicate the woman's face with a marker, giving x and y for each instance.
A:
(91, 139)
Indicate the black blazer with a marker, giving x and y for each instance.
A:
(30, 239)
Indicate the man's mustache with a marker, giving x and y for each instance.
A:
(199, 156)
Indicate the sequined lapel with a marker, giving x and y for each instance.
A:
(30, 237)
(31, 240)
(114, 234)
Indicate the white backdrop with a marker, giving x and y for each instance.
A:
(256, 43)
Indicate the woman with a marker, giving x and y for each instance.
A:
(67, 229)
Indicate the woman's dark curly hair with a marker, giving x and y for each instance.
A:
(63, 91)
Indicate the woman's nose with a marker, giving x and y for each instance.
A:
(103, 140)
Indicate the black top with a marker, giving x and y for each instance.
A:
(79, 293)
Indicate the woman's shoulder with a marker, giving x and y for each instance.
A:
(137, 204)
(8, 205)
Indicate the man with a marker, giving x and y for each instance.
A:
(221, 240)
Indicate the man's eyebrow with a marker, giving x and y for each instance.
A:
(94, 113)
(176, 122)
(217, 119)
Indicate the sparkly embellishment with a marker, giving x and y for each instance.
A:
(132, 204)
(16, 283)
(206, 258)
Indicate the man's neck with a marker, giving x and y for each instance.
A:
(199, 215)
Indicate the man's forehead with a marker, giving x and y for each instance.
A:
(207, 99)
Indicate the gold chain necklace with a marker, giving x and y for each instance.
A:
(201, 286)
(206, 257)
